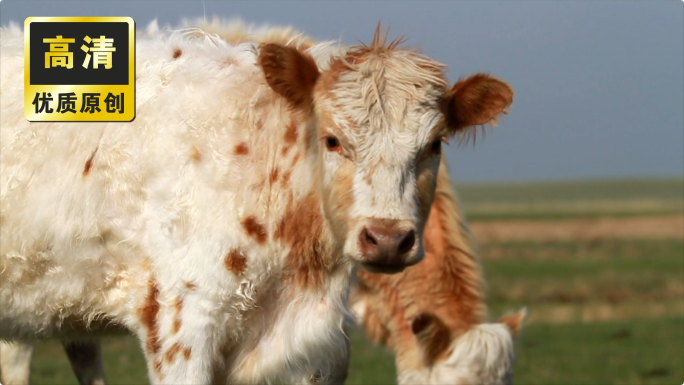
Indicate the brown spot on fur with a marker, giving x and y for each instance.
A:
(177, 322)
(242, 149)
(286, 177)
(148, 317)
(295, 158)
(196, 155)
(273, 176)
(177, 53)
(285, 150)
(170, 354)
(186, 353)
(190, 285)
(89, 163)
(157, 367)
(301, 228)
(178, 304)
(291, 132)
(258, 186)
(235, 261)
(255, 229)
(229, 61)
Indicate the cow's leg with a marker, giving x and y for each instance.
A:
(338, 374)
(15, 362)
(178, 332)
(86, 361)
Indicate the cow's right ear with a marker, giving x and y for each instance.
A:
(476, 100)
(291, 73)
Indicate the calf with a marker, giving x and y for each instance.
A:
(222, 226)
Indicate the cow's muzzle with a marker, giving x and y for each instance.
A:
(388, 246)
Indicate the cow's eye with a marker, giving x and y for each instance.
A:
(332, 144)
(436, 146)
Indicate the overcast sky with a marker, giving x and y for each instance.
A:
(599, 86)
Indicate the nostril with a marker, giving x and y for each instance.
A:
(368, 238)
(407, 243)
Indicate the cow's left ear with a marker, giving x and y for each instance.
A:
(476, 100)
(290, 73)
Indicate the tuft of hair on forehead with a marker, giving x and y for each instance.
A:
(379, 42)
(379, 46)
(379, 81)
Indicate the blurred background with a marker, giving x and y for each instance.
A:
(576, 200)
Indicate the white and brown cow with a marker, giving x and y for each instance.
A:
(432, 314)
(222, 226)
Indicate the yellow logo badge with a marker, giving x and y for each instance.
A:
(79, 69)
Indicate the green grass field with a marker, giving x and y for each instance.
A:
(642, 351)
(558, 200)
(602, 311)
(671, 189)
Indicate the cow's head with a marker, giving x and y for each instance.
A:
(378, 117)
(482, 355)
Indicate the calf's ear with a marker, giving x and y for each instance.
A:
(291, 73)
(514, 321)
(476, 100)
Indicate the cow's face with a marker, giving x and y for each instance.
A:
(378, 117)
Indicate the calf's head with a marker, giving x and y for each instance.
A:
(377, 118)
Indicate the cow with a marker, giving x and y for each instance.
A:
(432, 314)
(223, 224)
